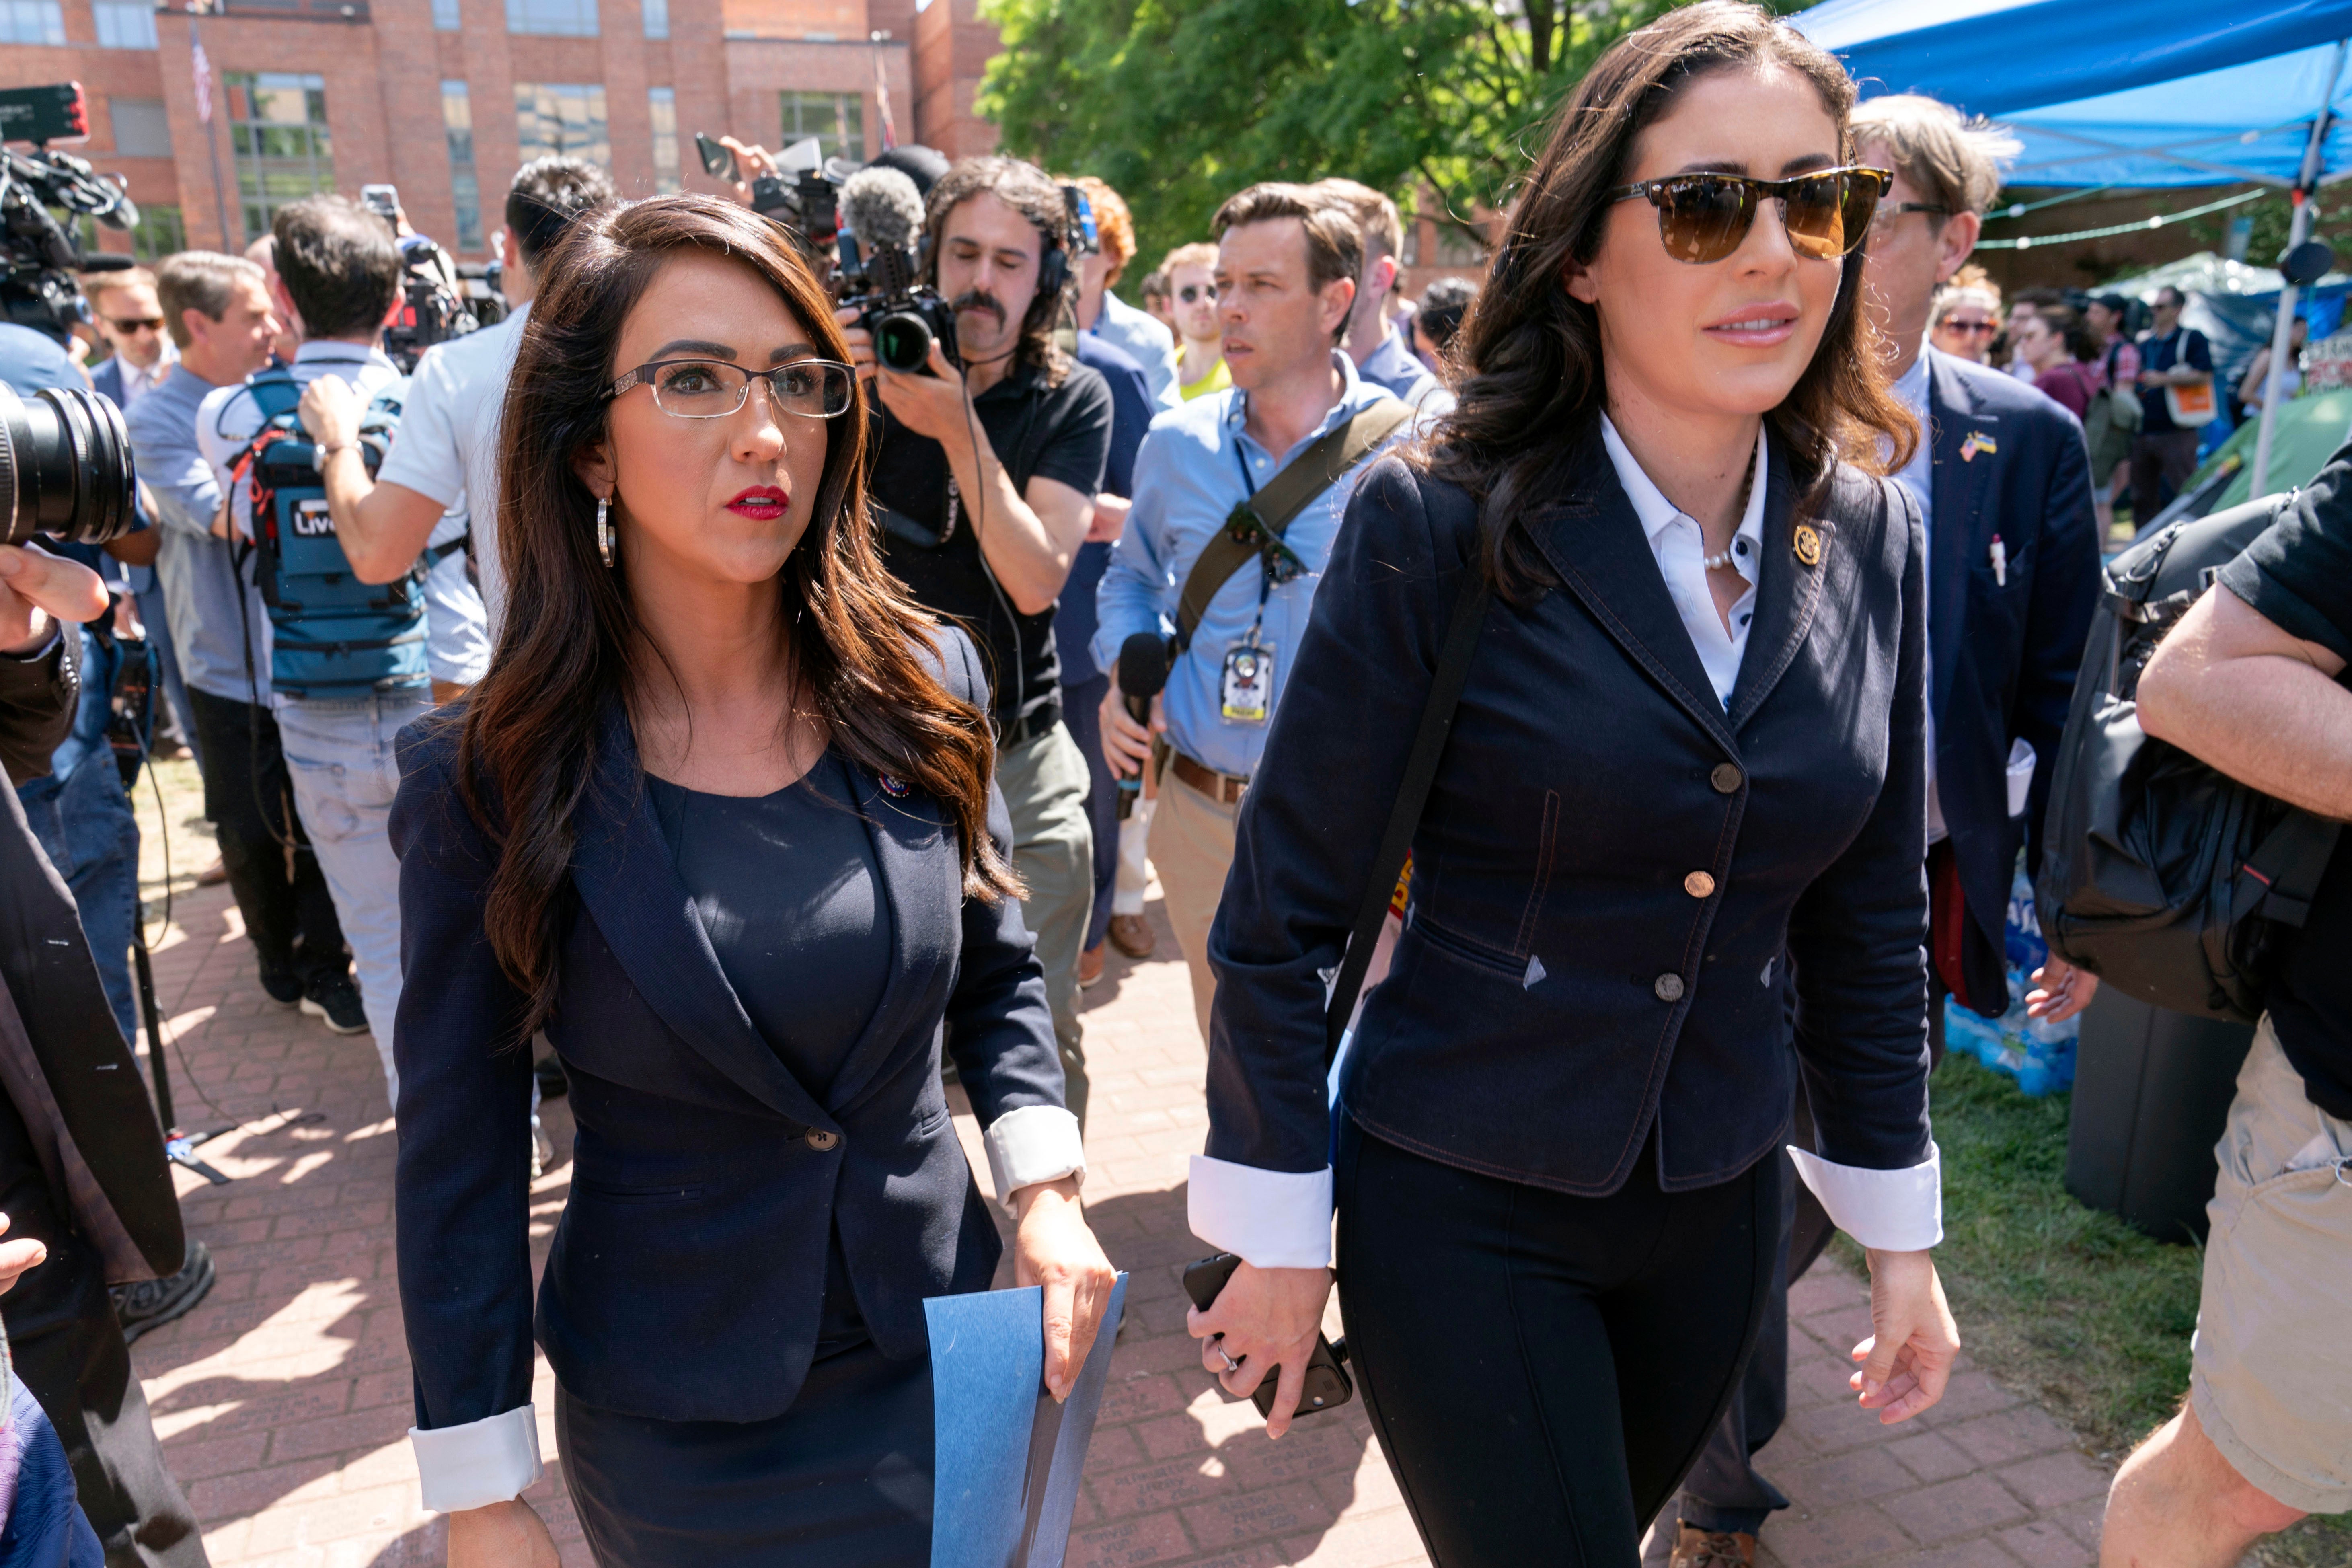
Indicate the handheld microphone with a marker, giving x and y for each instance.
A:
(1142, 673)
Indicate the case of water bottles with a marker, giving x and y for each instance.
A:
(2038, 1054)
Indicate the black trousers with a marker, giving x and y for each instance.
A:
(1542, 1370)
(289, 913)
(69, 1350)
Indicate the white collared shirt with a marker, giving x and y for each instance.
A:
(1679, 543)
(138, 382)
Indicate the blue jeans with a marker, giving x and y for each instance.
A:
(171, 692)
(1082, 712)
(340, 757)
(81, 816)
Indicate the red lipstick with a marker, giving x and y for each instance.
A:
(764, 503)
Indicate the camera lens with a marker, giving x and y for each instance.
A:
(902, 340)
(64, 466)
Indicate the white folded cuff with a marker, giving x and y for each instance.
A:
(1887, 1211)
(480, 1463)
(1035, 1143)
(1272, 1220)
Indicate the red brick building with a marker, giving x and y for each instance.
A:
(444, 98)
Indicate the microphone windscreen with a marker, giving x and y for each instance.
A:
(883, 209)
(1143, 665)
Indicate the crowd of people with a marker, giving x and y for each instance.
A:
(709, 713)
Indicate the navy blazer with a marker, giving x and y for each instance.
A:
(2003, 654)
(1610, 866)
(688, 1271)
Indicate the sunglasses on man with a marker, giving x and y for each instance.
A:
(130, 324)
(1193, 292)
(1706, 218)
(1246, 527)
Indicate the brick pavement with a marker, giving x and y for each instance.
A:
(283, 1401)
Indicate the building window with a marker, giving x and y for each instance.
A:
(663, 103)
(277, 134)
(32, 22)
(141, 130)
(125, 24)
(566, 18)
(465, 190)
(158, 233)
(554, 117)
(656, 18)
(444, 16)
(838, 119)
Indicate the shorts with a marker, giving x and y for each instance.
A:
(2273, 1364)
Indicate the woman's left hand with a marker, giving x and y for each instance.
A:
(1908, 1357)
(1054, 1248)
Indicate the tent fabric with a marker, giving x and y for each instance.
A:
(2248, 121)
(2305, 434)
(2001, 57)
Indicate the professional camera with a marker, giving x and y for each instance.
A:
(433, 307)
(38, 257)
(64, 466)
(880, 266)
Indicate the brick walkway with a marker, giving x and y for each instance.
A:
(284, 1399)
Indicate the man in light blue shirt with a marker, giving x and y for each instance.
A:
(1287, 270)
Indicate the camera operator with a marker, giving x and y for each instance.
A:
(985, 473)
(83, 1183)
(446, 456)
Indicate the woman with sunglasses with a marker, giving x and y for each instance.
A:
(1965, 321)
(1676, 828)
(719, 821)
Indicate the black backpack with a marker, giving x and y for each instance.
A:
(2168, 880)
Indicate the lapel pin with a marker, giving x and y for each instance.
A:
(896, 789)
(1809, 544)
(1978, 441)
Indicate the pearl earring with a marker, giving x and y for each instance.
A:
(604, 530)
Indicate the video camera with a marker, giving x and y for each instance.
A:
(803, 194)
(880, 263)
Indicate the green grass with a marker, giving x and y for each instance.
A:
(2059, 1301)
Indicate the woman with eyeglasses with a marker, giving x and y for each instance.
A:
(1669, 863)
(718, 821)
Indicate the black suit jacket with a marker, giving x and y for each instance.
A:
(79, 1094)
(688, 1271)
(2002, 654)
(1610, 866)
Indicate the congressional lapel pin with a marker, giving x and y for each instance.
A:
(1809, 544)
(896, 789)
(1978, 441)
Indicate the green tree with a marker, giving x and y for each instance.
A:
(1179, 103)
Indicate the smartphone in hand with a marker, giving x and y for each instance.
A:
(1328, 1385)
(716, 160)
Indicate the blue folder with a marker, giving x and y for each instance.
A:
(1008, 1457)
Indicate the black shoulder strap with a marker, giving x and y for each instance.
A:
(1302, 479)
(1413, 795)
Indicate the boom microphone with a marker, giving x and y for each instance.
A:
(1142, 672)
(882, 208)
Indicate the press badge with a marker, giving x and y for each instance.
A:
(1247, 686)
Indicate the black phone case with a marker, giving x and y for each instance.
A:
(1327, 1385)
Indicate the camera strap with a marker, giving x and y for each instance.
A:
(1285, 495)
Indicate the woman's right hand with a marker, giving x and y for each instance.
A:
(503, 1535)
(1264, 1317)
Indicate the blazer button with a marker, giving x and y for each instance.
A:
(1699, 885)
(1669, 987)
(821, 1141)
(1724, 778)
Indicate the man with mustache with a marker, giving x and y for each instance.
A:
(986, 466)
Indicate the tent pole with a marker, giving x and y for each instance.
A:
(2298, 231)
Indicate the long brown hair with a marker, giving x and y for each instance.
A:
(573, 645)
(1530, 351)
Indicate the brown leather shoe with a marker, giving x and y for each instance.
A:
(213, 875)
(1131, 934)
(1090, 967)
(1697, 1548)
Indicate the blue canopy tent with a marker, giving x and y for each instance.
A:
(2154, 93)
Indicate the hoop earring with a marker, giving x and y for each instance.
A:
(604, 530)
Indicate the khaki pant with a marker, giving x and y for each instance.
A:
(2272, 1375)
(1192, 846)
(1044, 783)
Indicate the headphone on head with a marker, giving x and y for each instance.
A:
(1053, 272)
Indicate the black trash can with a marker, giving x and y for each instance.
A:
(2152, 1091)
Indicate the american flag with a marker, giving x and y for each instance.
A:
(204, 68)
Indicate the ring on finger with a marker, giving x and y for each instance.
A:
(1226, 1356)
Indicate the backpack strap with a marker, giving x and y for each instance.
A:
(1282, 498)
(2289, 863)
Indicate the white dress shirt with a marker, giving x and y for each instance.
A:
(138, 382)
(1282, 1219)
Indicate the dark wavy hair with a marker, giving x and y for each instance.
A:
(573, 645)
(1532, 380)
(1031, 191)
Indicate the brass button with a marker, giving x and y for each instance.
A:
(822, 1141)
(1725, 778)
(1699, 885)
(1669, 987)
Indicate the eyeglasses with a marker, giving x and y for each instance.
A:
(1706, 218)
(1282, 564)
(713, 389)
(1884, 218)
(1191, 293)
(129, 324)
